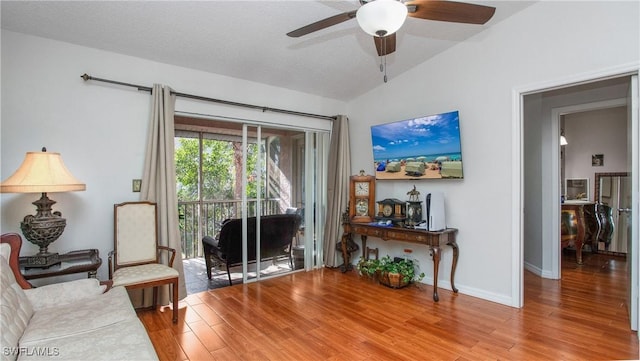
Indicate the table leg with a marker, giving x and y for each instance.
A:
(364, 246)
(175, 301)
(454, 245)
(581, 233)
(435, 251)
(578, 244)
(345, 253)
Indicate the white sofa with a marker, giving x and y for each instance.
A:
(74, 320)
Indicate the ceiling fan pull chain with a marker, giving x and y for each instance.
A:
(384, 47)
(385, 68)
(381, 67)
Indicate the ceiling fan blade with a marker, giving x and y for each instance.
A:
(450, 11)
(385, 45)
(324, 23)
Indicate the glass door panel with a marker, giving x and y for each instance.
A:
(252, 185)
(275, 185)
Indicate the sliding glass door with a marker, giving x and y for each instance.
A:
(252, 172)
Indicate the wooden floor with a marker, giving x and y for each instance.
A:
(326, 315)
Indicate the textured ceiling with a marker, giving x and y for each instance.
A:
(245, 39)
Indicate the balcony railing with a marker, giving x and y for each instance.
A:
(199, 219)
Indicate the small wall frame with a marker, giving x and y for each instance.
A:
(577, 189)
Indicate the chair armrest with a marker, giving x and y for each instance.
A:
(171, 250)
(58, 294)
(107, 284)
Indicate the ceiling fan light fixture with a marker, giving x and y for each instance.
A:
(381, 17)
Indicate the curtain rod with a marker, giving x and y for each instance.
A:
(88, 77)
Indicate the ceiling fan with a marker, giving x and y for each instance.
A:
(382, 18)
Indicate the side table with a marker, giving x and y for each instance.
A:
(433, 239)
(87, 260)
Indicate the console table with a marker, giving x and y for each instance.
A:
(87, 260)
(432, 239)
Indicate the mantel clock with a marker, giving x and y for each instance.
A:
(362, 189)
(392, 209)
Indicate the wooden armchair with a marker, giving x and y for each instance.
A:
(135, 261)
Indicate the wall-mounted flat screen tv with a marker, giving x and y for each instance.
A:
(420, 148)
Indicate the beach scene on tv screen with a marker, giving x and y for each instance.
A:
(420, 148)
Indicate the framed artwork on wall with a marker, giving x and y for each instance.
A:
(597, 160)
(577, 189)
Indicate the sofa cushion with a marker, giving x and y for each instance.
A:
(126, 340)
(78, 318)
(144, 273)
(15, 311)
(59, 294)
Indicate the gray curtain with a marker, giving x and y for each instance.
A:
(337, 188)
(159, 178)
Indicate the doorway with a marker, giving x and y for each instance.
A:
(541, 172)
(596, 127)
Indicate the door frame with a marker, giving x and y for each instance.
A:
(517, 177)
(633, 117)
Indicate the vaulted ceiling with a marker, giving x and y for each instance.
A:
(246, 39)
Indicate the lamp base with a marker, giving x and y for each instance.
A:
(40, 260)
(42, 229)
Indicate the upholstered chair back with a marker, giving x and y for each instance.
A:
(135, 233)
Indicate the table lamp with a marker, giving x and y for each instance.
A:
(42, 172)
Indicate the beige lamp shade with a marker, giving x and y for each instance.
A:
(41, 172)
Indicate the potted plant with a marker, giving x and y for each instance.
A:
(397, 273)
(368, 267)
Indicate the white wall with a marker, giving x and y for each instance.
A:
(533, 197)
(601, 131)
(100, 129)
(546, 42)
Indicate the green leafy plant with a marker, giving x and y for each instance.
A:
(404, 267)
(368, 267)
(386, 265)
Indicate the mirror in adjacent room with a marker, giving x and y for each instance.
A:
(613, 192)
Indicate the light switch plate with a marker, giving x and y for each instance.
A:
(136, 185)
